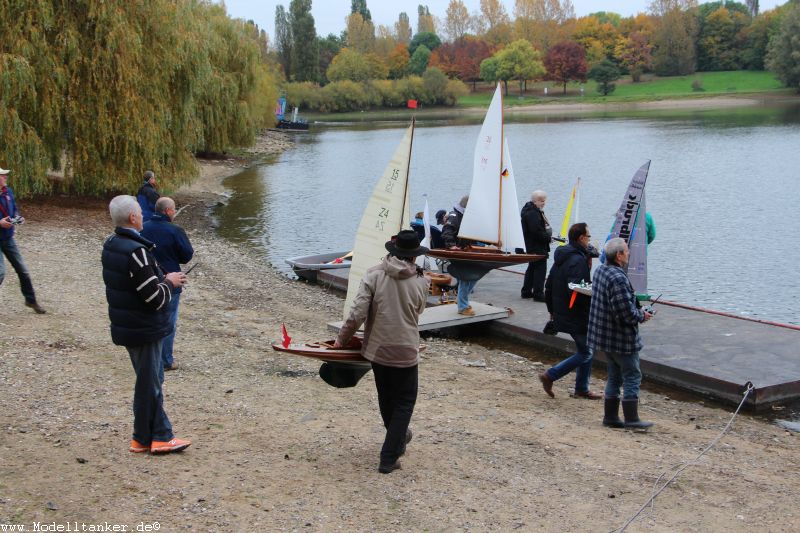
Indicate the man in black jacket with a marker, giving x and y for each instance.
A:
(538, 234)
(138, 293)
(570, 310)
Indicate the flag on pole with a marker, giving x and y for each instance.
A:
(412, 104)
(286, 338)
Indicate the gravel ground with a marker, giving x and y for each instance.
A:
(276, 449)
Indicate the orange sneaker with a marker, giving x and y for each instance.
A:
(138, 447)
(175, 445)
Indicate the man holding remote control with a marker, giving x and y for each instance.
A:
(614, 318)
(172, 250)
(9, 217)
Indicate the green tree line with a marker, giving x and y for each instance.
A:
(100, 90)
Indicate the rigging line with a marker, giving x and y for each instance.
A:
(685, 465)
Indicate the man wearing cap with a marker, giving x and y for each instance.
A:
(148, 195)
(390, 299)
(9, 217)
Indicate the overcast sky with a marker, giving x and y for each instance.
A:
(329, 15)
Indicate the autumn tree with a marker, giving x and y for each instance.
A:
(360, 7)
(328, 48)
(425, 22)
(462, 58)
(635, 53)
(360, 33)
(519, 61)
(402, 29)
(397, 62)
(352, 65)
(718, 43)
(305, 53)
(457, 20)
(674, 40)
(565, 62)
(783, 57)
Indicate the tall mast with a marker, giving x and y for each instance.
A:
(408, 170)
(500, 176)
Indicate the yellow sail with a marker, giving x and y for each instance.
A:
(565, 223)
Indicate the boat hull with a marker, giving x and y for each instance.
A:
(323, 351)
(491, 259)
(307, 267)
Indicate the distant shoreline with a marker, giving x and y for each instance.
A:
(577, 108)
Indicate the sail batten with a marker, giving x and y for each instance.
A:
(387, 212)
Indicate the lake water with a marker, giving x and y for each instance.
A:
(723, 188)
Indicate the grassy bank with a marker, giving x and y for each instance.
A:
(738, 82)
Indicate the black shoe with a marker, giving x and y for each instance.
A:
(537, 298)
(526, 295)
(36, 307)
(409, 436)
(630, 408)
(611, 417)
(388, 469)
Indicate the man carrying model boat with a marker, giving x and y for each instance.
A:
(390, 299)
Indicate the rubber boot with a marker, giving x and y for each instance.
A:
(611, 417)
(630, 409)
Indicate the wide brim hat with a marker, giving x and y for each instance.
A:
(4, 171)
(406, 244)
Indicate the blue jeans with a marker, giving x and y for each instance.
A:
(150, 422)
(166, 346)
(464, 290)
(623, 371)
(581, 360)
(10, 250)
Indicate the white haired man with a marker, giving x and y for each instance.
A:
(538, 234)
(139, 293)
(614, 318)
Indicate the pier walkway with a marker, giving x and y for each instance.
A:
(695, 350)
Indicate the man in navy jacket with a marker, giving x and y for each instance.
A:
(138, 293)
(172, 249)
(9, 218)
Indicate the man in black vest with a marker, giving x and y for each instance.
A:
(139, 293)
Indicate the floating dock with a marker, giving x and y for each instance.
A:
(696, 350)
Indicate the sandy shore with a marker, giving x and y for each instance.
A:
(276, 449)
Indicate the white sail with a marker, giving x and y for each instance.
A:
(481, 220)
(386, 214)
(426, 242)
(510, 222)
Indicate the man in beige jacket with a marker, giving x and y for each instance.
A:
(390, 299)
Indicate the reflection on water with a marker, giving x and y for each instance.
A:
(722, 190)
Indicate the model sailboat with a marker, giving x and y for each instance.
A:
(492, 214)
(387, 212)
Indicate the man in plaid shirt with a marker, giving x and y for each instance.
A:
(614, 318)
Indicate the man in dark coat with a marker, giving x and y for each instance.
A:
(9, 218)
(148, 195)
(538, 234)
(570, 310)
(172, 250)
(138, 293)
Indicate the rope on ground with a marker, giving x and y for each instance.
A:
(680, 467)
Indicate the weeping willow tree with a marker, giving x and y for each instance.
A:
(101, 90)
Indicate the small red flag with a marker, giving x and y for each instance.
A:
(286, 338)
(412, 104)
